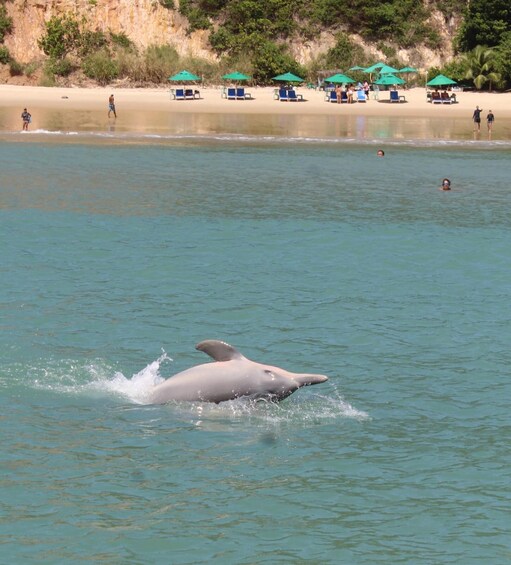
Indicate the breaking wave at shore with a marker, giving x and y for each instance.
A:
(193, 139)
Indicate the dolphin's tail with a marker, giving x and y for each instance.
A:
(307, 380)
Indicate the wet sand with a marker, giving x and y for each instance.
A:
(152, 112)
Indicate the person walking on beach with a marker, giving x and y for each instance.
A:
(476, 116)
(111, 106)
(490, 118)
(27, 118)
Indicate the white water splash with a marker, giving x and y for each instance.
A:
(94, 379)
(138, 387)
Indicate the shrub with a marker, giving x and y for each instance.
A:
(15, 68)
(30, 68)
(5, 56)
(90, 41)
(129, 64)
(121, 40)
(160, 61)
(62, 36)
(59, 67)
(5, 23)
(196, 15)
(100, 67)
(47, 80)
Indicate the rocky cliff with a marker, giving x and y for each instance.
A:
(147, 22)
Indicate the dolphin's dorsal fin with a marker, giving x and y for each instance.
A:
(219, 350)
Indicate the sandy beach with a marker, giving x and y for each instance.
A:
(153, 110)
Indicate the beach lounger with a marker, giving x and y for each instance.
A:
(394, 96)
(283, 95)
(231, 94)
(446, 99)
(178, 94)
(435, 98)
(293, 97)
(331, 96)
(361, 96)
(344, 97)
(242, 95)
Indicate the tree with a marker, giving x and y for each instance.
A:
(345, 53)
(503, 58)
(62, 36)
(269, 60)
(481, 63)
(484, 24)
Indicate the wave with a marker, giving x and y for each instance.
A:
(227, 138)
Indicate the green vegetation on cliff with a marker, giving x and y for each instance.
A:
(263, 27)
(254, 36)
(404, 22)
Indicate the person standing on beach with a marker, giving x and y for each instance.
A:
(476, 116)
(490, 118)
(27, 118)
(111, 106)
(338, 93)
(366, 89)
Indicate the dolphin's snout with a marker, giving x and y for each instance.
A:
(308, 380)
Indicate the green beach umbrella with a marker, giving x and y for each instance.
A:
(288, 77)
(339, 78)
(236, 76)
(408, 70)
(388, 80)
(373, 68)
(386, 69)
(357, 68)
(184, 76)
(441, 80)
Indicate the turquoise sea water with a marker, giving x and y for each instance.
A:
(118, 259)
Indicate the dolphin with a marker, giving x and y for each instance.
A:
(231, 376)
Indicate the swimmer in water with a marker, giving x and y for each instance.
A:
(446, 185)
(380, 153)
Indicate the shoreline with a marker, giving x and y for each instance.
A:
(152, 111)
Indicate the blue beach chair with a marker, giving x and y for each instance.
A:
(179, 94)
(293, 97)
(231, 94)
(394, 96)
(241, 94)
(283, 97)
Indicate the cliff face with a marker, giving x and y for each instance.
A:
(147, 22)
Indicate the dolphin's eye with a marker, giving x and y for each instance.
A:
(270, 373)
